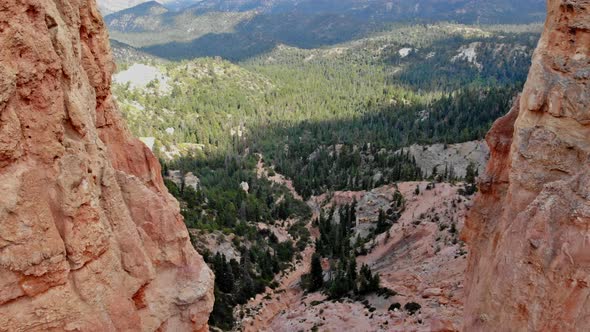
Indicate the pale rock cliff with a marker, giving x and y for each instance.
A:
(90, 240)
(450, 157)
(529, 231)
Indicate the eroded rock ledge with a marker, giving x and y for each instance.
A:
(90, 240)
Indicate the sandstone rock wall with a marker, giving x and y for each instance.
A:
(90, 240)
(529, 231)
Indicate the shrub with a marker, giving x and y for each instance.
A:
(394, 306)
(412, 307)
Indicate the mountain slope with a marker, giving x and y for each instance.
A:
(254, 27)
(463, 11)
(111, 6)
(152, 23)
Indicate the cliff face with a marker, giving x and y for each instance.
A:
(529, 230)
(90, 240)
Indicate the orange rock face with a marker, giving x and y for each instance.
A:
(529, 231)
(90, 240)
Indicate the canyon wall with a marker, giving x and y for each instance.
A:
(529, 229)
(90, 239)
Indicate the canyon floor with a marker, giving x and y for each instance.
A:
(420, 259)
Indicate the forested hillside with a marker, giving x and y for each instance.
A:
(328, 117)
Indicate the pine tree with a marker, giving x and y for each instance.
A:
(352, 274)
(316, 274)
(382, 224)
(226, 279)
(471, 173)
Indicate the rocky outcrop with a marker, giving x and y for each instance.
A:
(189, 179)
(452, 158)
(529, 267)
(90, 240)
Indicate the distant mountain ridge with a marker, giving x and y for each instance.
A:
(463, 11)
(238, 29)
(112, 6)
(152, 23)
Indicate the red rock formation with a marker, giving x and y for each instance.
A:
(90, 240)
(529, 231)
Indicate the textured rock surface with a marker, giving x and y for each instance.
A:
(529, 267)
(90, 240)
(451, 156)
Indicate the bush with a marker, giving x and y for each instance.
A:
(394, 306)
(386, 292)
(285, 251)
(412, 307)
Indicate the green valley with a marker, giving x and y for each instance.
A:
(328, 119)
